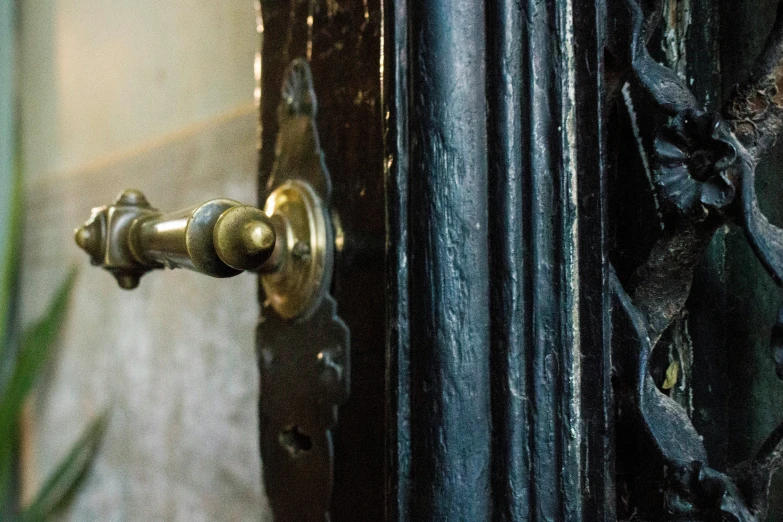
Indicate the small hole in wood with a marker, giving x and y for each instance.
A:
(295, 441)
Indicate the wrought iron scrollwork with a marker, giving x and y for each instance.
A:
(703, 170)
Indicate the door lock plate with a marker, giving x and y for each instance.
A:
(304, 363)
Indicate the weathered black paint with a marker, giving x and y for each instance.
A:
(595, 369)
(507, 98)
(448, 261)
(707, 305)
(503, 121)
(543, 150)
(396, 169)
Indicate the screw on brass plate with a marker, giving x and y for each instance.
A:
(301, 250)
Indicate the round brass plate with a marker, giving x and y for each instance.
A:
(301, 282)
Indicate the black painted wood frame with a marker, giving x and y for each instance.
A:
(498, 367)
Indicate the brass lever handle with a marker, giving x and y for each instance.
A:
(220, 238)
(289, 242)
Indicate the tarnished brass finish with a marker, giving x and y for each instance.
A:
(295, 284)
(105, 237)
(244, 237)
(289, 242)
(129, 238)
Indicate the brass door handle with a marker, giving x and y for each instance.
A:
(289, 242)
(303, 346)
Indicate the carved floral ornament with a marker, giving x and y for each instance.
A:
(703, 170)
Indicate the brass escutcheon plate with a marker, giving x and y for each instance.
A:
(298, 286)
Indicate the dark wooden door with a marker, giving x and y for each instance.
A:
(548, 256)
(341, 41)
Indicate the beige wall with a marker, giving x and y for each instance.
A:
(100, 76)
(155, 95)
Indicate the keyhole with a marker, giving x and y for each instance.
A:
(295, 441)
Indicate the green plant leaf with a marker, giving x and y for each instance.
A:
(9, 265)
(37, 342)
(6, 473)
(10, 258)
(63, 482)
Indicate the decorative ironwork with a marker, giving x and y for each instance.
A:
(703, 171)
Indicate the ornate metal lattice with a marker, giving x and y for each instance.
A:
(703, 171)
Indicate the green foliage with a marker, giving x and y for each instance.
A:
(20, 365)
(36, 346)
(37, 342)
(9, 256)
(63, 482)
(9, 253)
